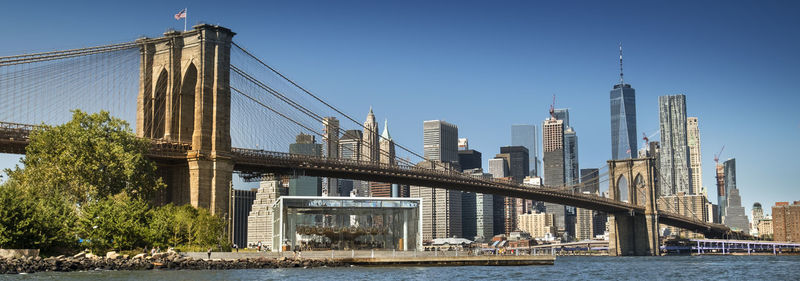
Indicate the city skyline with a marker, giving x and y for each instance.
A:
(708, 79)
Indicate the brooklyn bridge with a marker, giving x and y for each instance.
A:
(212, 109)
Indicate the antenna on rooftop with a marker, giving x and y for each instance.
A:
(621, 81)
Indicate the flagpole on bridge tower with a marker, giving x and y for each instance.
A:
(186, 13)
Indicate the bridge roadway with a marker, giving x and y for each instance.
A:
(249, 162)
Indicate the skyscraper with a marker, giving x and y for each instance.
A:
(440, 141)
(441, 208)
(674, 154)
(304, 185)
(553, 147)
(498, 168)
(242, 205)
(726, 178)
(722, 195)
(387, 156)
(695, 163)
(735, 217)
(590, 179)
(331, 150)
(517, 157)
(571, 167)
(525, 135)
(350, 149)
(623, 118)
(469, 159)
(477, 211)
(517, 162)
(563, 115)
(370, 148)
(584, 227)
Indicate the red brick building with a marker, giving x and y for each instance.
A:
(786, 221)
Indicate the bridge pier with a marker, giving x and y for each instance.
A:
(633, 234)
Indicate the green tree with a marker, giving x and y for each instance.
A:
(185, 226)
(28, 221)
(117, 222)
(171, 225)
(86, 159)
(208, 230)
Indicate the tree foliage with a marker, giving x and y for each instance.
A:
(174, 226)
(117, 222)
(89, 178)
(28, 221)
(88, 158)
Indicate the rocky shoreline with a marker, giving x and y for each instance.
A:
(166, 261)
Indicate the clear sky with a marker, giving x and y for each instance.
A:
(487, 65)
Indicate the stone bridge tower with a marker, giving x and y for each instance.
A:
(185, 96)
(633, 181)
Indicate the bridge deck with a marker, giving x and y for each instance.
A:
(14, 138)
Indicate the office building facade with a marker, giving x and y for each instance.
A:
(554, 172)
(330, 149)
(590, 180)
(498, 168)
(623, 121)
(526, 135)
(786, 221)
(695, 158)
(440, 141)
(242, 205)
(304, 185)
(539, 225)
(571, 167)
(469, 159)
(674, 170)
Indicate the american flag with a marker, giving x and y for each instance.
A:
(181, 14)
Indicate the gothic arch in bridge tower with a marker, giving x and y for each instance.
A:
(186, 112)
(621, 192)
(159, 105)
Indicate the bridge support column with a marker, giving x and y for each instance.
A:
(210, 183)
(221, 186)
(185, 96)
(633, 234)
(200, 182)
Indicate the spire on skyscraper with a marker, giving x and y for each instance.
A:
(385, 135)
(621, 81)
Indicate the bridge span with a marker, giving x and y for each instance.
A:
(253, 162)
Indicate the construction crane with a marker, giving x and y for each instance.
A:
(716, 156)
(647, 138)
(553, 108)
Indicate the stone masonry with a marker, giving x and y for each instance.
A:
(185, 96)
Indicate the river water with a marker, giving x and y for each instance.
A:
(565, 268)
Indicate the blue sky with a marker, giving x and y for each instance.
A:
(487, 65)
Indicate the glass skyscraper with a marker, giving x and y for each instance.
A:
(525, 135)
(623, 121)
